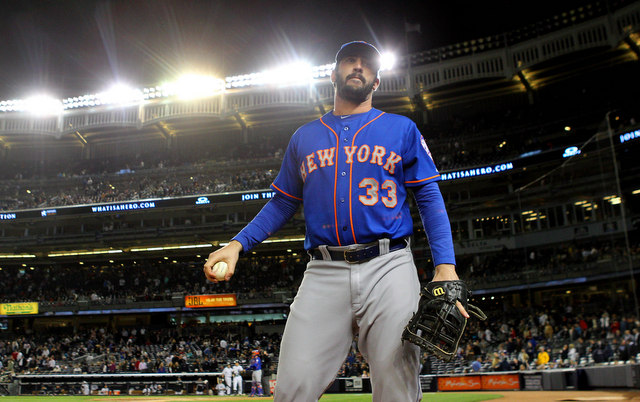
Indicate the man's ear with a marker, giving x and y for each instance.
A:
(376, 84)
(333, 77)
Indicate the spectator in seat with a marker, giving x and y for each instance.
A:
(543, 358)
(477, 365)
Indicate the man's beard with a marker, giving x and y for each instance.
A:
(351, 93)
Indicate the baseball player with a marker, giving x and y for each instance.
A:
(221, 388)
(237, 378)
(352, 170)
(227, 372)
(256, 375)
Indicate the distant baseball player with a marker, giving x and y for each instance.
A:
(221, 388)
(352, 169)
(227, 372)
(256, 375)
(237, 378)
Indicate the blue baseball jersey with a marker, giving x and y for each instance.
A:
(256, 363)
(352, 174)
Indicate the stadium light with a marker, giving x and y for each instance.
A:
(192, 86)
(295, 73)
(119, 94)
(290, 74)
(286, 240)
(160, 248)
(42, 105)
(76, 253)
(187, 87)
(39, 105)
(8, 105)
(18, 256)
(387, 61)
(322, 71)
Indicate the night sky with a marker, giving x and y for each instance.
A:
(65, 48)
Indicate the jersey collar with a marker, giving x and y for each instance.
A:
(333, 118)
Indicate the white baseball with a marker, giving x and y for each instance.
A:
(220, 270)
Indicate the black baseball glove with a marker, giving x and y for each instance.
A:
(438, 325)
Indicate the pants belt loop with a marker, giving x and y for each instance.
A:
(383, 245)
(326, 255)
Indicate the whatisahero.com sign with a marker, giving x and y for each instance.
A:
(481, 171)
(128, 206)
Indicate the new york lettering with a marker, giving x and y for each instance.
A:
(362, 154)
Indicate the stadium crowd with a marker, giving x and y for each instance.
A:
(149, 280)
(545, 262)
(258, 277)
(538, 338)
(565, 333)
(460, 143)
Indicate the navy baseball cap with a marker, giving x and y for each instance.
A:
(359, 48)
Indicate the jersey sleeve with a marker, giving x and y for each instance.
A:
(436, 223)
(271, 217)
(289, 181)
(419, 168)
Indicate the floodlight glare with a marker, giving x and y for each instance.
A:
(387, 61)
(194, 86)
(323, 70)
(295, 73)
(42, 105)
(118, 94)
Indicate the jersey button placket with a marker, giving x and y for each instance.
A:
(343, 188)
(345, 184)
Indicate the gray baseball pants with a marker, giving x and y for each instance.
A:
(338, 300)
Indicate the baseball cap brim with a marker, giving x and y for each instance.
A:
(359, 48)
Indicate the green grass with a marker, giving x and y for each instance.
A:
(431, 397)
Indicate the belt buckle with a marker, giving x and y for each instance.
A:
(346, 256)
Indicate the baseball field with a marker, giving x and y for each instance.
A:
(513, 396)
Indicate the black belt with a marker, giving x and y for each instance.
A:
(360, 254)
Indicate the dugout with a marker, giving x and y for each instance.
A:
(114, 384)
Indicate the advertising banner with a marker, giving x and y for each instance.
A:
(501, 381)
(353, 384)
(18, 308)
(200, 301)
(476, 382)
(459, 383)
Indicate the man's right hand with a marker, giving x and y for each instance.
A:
(229, 254)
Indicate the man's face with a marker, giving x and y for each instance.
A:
(355, 78)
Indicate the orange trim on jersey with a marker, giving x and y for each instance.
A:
(335, 182)
(353, 232)
(285, 193)
(419, 181)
